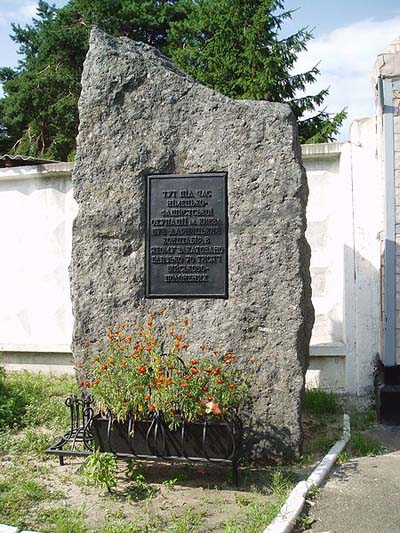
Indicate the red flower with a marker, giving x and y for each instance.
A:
(251, 359)
(219, 381)
(216, 371)
(152, 407)
(194, 371)
(232, 385)
(168, 381)
(147, 397)
(205, 388)
(123, 363)
(194, 361)
(141, 369)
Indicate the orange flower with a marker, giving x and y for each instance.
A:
(152, 407)
(231, 385)
(194, 371)
(111, 361)
(215, 352)
(136, 346)
(87, 384)
(104, 366)
(152, 315)
(149, 324)
(184, 384)
(141, 369)
(97, 358)
(219, 381)
(96, 382)
(147, 397)
(251, 359)
(81, 383)
(216, 371)
(123, 363)
(202, 346)
(160, 381)
(208, 370)
(185, 321)
(168, 381)
(194, 362)
(179, 337)
(148, 350)
(170, 367)
(185, 346)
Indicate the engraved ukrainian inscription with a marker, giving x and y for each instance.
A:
(186, 237)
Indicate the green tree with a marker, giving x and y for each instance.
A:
(230, 45)
(39, 113)
(234, 46)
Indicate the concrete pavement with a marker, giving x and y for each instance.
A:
(363, 495)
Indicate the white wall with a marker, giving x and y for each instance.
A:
(344, 219)
(36, 213)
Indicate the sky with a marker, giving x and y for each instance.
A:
(348, 35)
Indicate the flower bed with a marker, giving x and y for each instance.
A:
(159, 397)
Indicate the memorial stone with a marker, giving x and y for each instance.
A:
(230, 172)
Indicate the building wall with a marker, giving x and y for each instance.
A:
(36, 214)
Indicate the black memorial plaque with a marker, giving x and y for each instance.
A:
(187, 236)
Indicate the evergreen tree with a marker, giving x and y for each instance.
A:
(230, 45)
(234, 46)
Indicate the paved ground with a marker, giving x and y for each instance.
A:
(363, 495)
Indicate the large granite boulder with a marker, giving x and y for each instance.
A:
(140, 115)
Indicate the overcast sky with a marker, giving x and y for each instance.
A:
(348, 36)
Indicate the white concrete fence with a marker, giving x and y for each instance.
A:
(344, 222)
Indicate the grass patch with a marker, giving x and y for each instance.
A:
(256, 518)
(61, 520)
(361, 445)
(320, 402)
(31, 400)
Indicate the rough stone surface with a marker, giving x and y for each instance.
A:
(140, 115)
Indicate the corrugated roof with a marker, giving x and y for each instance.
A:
(8, 160)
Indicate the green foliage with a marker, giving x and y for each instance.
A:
(361, 445)
(39, 113)
(320, 402)
(281, 482)
(362, 419)
(233, 46)
(19, 492)
(30, 399)
(140, 490)
(255, 518)
(237, 48)
(101, 469)
(190, 522)
(62, 520)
